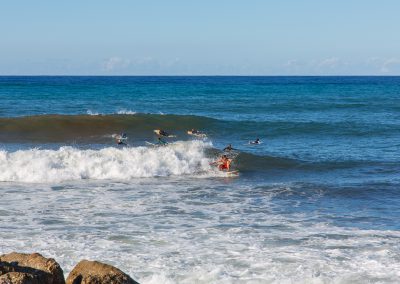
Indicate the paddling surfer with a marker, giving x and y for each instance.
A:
(229, 148)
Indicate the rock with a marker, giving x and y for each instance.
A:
(18, 278)
(94, 272)
(33, 268)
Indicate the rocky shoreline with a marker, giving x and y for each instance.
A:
(22, 268)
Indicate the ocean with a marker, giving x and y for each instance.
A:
(316, 202)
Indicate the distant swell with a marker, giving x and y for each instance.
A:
(92, 128)
(250, 162)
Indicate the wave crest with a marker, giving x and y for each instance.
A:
(69, 163)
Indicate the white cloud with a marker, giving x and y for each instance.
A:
(292, 63)
(329, 62)
(315, 66)
(373, 60)
(146, 65)
(116, 63)
(389, 64)
(384, 65)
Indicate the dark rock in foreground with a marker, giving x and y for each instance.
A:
(21, 268)
(94, 272)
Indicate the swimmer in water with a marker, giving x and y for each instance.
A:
(257, 141)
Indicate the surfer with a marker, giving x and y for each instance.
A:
(121, 138)
(196, 133)
(257, 141)
(229, 148)
(162, 133)
(224, 163)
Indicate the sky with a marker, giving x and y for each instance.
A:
(204, 37)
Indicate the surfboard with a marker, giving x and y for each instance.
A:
(119, 137)
(198, 134)
(157, 131)
(232, 173)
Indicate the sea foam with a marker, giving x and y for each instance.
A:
(126, 111)
(69, 163)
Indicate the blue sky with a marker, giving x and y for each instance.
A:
(207, 37)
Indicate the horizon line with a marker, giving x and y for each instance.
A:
(177, 75)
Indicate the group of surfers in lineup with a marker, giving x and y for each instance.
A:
(223, 163)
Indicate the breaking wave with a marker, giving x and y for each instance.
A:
(69, 163)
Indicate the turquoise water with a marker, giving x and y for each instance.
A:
(317, 201)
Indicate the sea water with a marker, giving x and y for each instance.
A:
(316, 202)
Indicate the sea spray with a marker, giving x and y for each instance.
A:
(69, 163)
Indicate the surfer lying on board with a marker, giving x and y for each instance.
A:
(162, 133)
(229, 148)
(196, 133)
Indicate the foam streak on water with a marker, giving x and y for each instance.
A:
(193, 232)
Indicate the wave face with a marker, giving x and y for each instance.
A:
(91, 128)
(68, 163)
(95, 128)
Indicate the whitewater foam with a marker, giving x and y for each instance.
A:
(195, 231)
(121, 111)
(89, 112)
(69, 163)
(126, 111)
